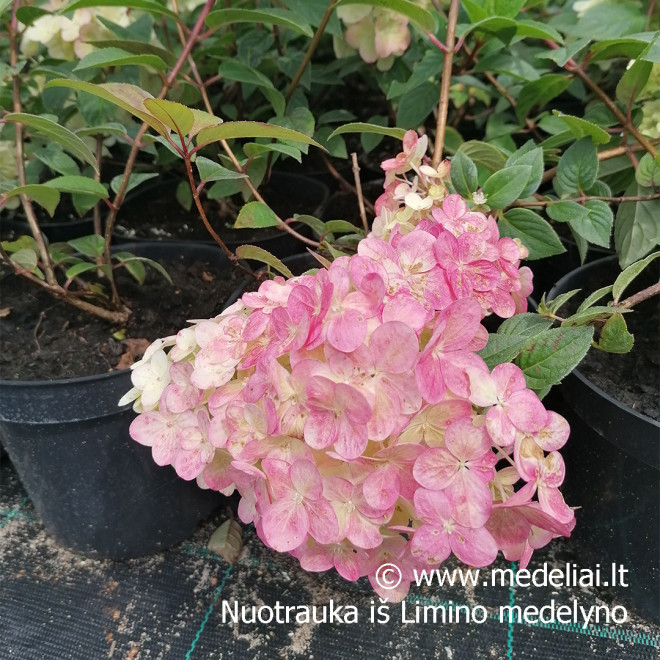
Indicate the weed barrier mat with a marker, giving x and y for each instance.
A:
(56, 605)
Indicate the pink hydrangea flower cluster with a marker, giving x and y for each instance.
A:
(352, 413)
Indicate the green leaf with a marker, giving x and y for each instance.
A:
(26, 15)
(53, 131)
(548, 358)
(174, 115)
(137, 48)
(315, 223)
(648, 172)
(259, 254)
(78, 184)
(588, 315)
(256, 215)
(578, 167)
(107, 57)
(281, 17)
(554, 305)
(130, 260)
(538, 30)
(594, 297)
(530, 155)
(629, 274)
(534, 232)
(25, 259)
(85, 267)
(236, 70)
(583, 128)
(21, 243)
(134, 181)
(414, 108)
(135, 268)
(631, 48)
(599, 228)
(145, 5)
(43, 195)
(463, 174)
(637, 227)
(251, 129)
(129, 97)
(614, 337)
(414, 12)
(633, 81)
(55, 159)
(184, 195)
(254, 150)
(209, 170)
(111, 128)
(504, 187)
(90, 246)
(340, 227)
(566, 211)
(539, 92)
(484, 154)
(361, 127)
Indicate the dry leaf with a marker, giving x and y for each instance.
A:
(5, 311)
(227, 541)
(135, 349)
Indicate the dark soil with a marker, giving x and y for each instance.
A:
(156, 214)
(633, 378)
(43, 339)
(344, 205)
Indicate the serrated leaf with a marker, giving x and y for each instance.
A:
(281, 17)
(256, 215)
(583, 128)
(599, 227)
(107, 57)
(43, 195)
(251, 129)
(414, 12)
(629, 274)
(648, 172)
(90, 246)
(588, 315)
(532, 156)
(524, 325)
(500, 349)
(504, 187)
(463, 173)
(578, 167)
(594, 297)
(128, 97)
(547, 358)
(53, 131)
(209, 170)
(637, 227)
(259, 254)
(534, 232)
(145, 5)
(78, 184)
(174, 115)
(614, 336)
(555, 304)
(633, 81)
(362, 127)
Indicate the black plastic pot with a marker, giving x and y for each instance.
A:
(613, 475)
(55, 231)
(304, 196)
(95, 489)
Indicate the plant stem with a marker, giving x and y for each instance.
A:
(606, 154)
(443, 104)
(20, 154)
(587, 198)
(358, 187)
(311, 49)
(573, 67)
(640, 296)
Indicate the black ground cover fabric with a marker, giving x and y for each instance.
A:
(55, 605)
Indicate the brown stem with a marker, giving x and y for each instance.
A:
(588, 198)
(640, 296)
(573, 67)
(20, 154)
(311, 49)
(443, 104)
(606, 154)
(358, 187)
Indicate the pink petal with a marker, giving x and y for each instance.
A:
(395, 347)
(381, 488)
(430, 543)
(323, 524)
(285, 525)
(525, 411)
(470, 498)
(474, 547)
(306, 479)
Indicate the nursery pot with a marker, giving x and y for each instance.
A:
(97, 491)
(296, 194)
(54, 230)
(613, 475)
